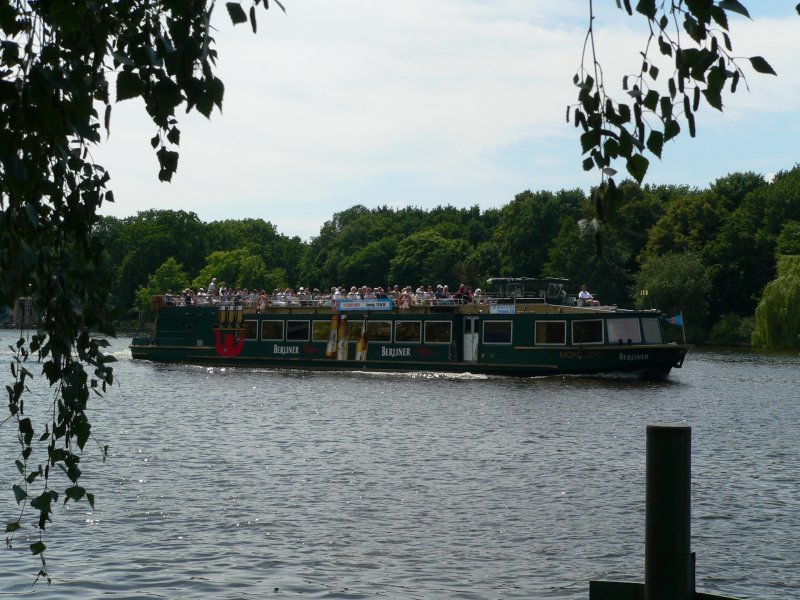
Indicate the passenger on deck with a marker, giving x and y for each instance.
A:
(406, 297)
(446, 297)
(585, 298)
(478, 297)
(462, 295)
(168, 299)
(212, 287)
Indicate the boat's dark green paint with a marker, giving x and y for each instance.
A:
(520, 337)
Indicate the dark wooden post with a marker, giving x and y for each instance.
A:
(667, 560)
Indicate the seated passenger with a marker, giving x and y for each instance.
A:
(585, 298)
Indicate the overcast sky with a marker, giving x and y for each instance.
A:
(427, 103)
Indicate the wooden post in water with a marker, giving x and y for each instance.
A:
(668, 569)
(667, 552)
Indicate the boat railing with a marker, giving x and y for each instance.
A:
(158, 302)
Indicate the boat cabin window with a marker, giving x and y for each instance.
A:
(438, 332)
(379, 331)
(652, 331)
(354, 330)
(407, 331)
(497, 332)
(321, 330)
(271, 330)
(587, 332)
(250, 331)
(624, 331)
(550, 332)
(297, 331)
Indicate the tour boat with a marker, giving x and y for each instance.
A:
(523, 327)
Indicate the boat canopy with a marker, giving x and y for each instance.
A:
(551, 290)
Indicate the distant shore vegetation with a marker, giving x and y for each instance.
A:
(727, 256)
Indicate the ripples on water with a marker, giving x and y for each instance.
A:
(256, 483)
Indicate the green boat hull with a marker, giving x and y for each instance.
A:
(427, 339)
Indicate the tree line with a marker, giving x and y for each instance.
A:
(708, 253)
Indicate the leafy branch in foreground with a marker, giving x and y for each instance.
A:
(58, 65)
(692, 38)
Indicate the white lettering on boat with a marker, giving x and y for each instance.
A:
(285, 349)
(643, 356)
(393, 352)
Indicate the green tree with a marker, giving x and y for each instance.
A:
(58, 63)
(150, 238)
(238, 269)
(777, 317)
(741, 256)
(734, 187)
(260, 238)
(426, 258)
(788, 241)
(688, 224)
(527, 226)
(170, 276)
(572, 255)
(676, 283)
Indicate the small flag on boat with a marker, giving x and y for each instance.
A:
(676, 320)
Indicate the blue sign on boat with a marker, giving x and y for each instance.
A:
(502, 309)
(374, 304)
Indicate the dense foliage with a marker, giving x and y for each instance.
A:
(777, 317)
(682, 246)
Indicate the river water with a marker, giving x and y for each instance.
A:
(276, 484)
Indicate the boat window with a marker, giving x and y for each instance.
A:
(250, 331)
(438, 332)
(652, 331)
(407, 331)
(497, 332)
(587, 332)
(354, 330)
(379, 331)
(624, 331)
(271, 330)
(550, 332)
(297, 331)
(321, 331)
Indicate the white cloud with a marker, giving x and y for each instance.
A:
(378, 103)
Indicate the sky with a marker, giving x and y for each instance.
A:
(421, 103)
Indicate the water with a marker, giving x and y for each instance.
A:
(257, 483)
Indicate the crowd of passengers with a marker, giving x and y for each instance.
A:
(260, 299)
